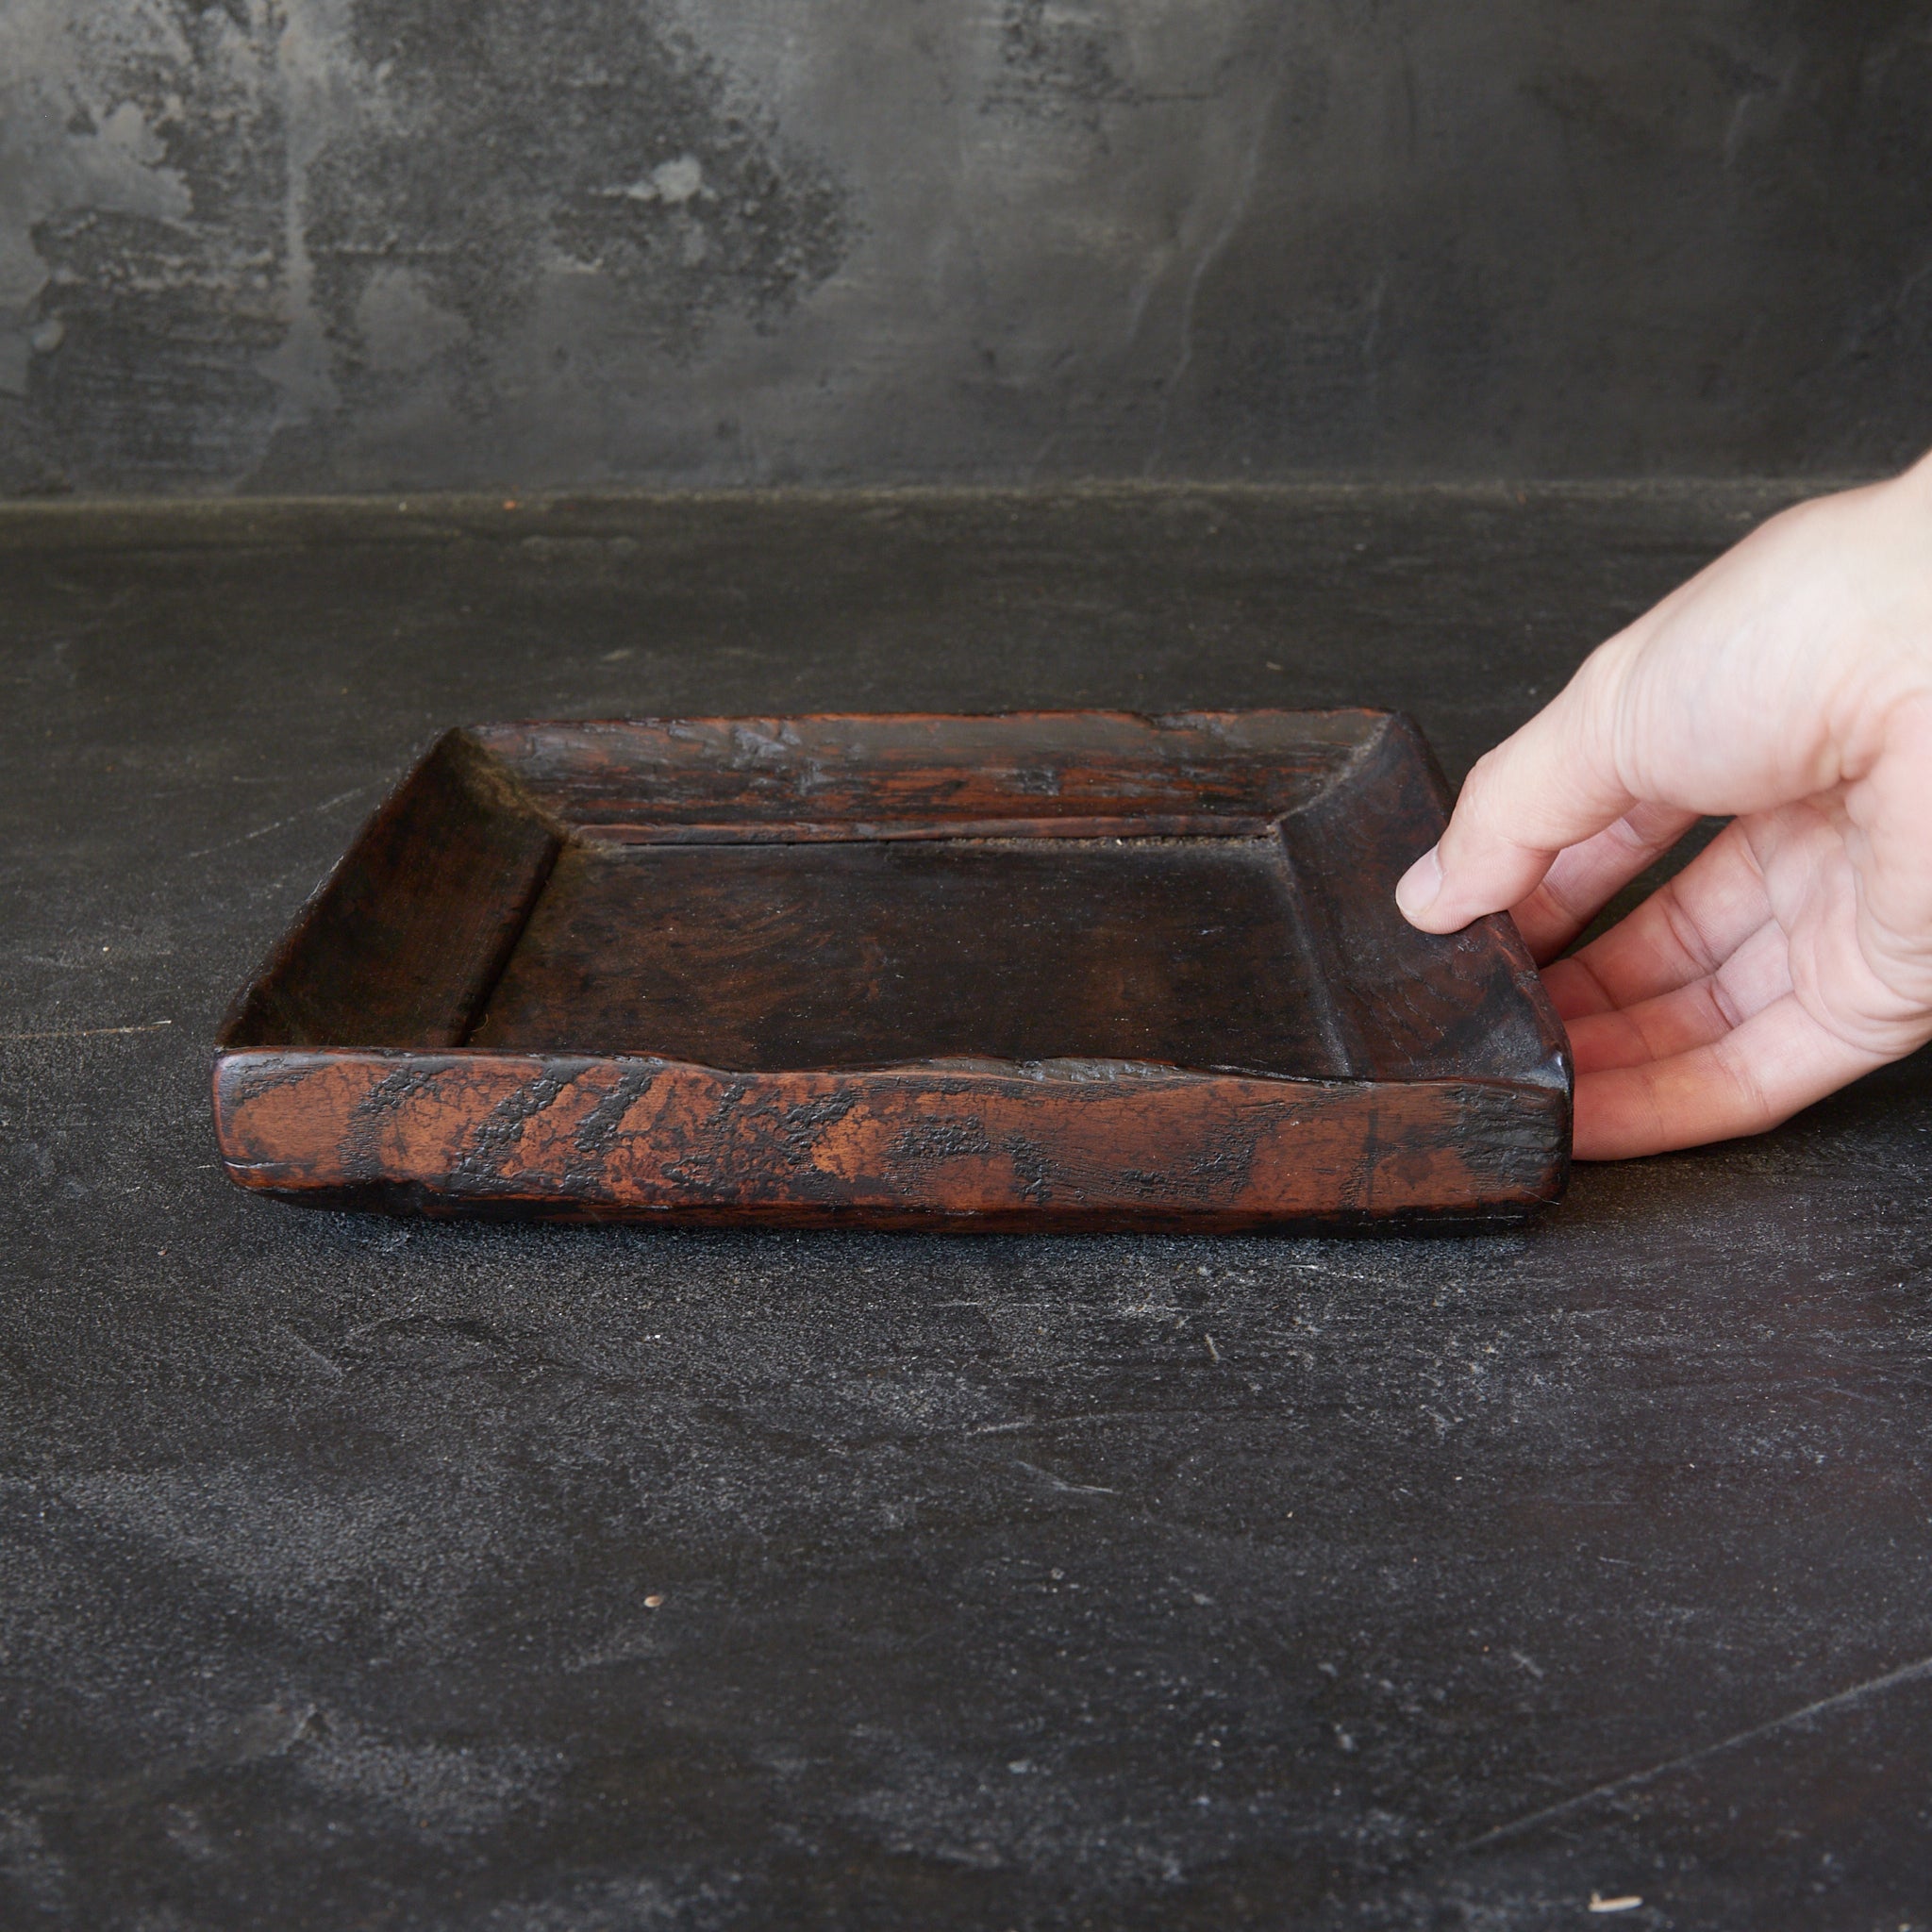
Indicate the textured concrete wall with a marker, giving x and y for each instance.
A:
(319, 244)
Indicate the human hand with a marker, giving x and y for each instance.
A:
(1788, 685)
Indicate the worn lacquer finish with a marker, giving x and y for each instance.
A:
(1076, 970)
(1083, 1146)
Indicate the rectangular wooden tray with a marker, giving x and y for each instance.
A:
(1080, 970)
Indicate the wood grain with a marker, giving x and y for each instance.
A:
(1080, 1147)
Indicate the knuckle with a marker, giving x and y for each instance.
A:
(1755, 1109)
(1682, 927)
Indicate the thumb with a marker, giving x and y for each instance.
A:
(1547, 787)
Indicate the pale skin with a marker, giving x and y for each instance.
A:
(1788, 687)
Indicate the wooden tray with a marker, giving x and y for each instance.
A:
(1078, 970)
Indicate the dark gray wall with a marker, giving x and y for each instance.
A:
(328, 244)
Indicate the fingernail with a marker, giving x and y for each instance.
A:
(1420, 885)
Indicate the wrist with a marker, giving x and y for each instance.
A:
(1917, 483)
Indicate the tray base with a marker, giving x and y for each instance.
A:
(768, 956)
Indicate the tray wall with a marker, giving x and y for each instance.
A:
(402, 942)
(1093, 1149)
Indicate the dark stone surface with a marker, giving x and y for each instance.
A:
(326, 244)
(358, 1572)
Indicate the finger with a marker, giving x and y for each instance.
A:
(1585, 877)
(1552, 785)
(1758, 1075)
(1692, 1016)
(1685, 929)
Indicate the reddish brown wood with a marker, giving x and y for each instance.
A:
(1078, 970)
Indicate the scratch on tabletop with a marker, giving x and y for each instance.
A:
(334, 1370)
(1058, 1422)
(263, 831)
(1060, 1482)
(85, 1032)
(1905, 1674)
